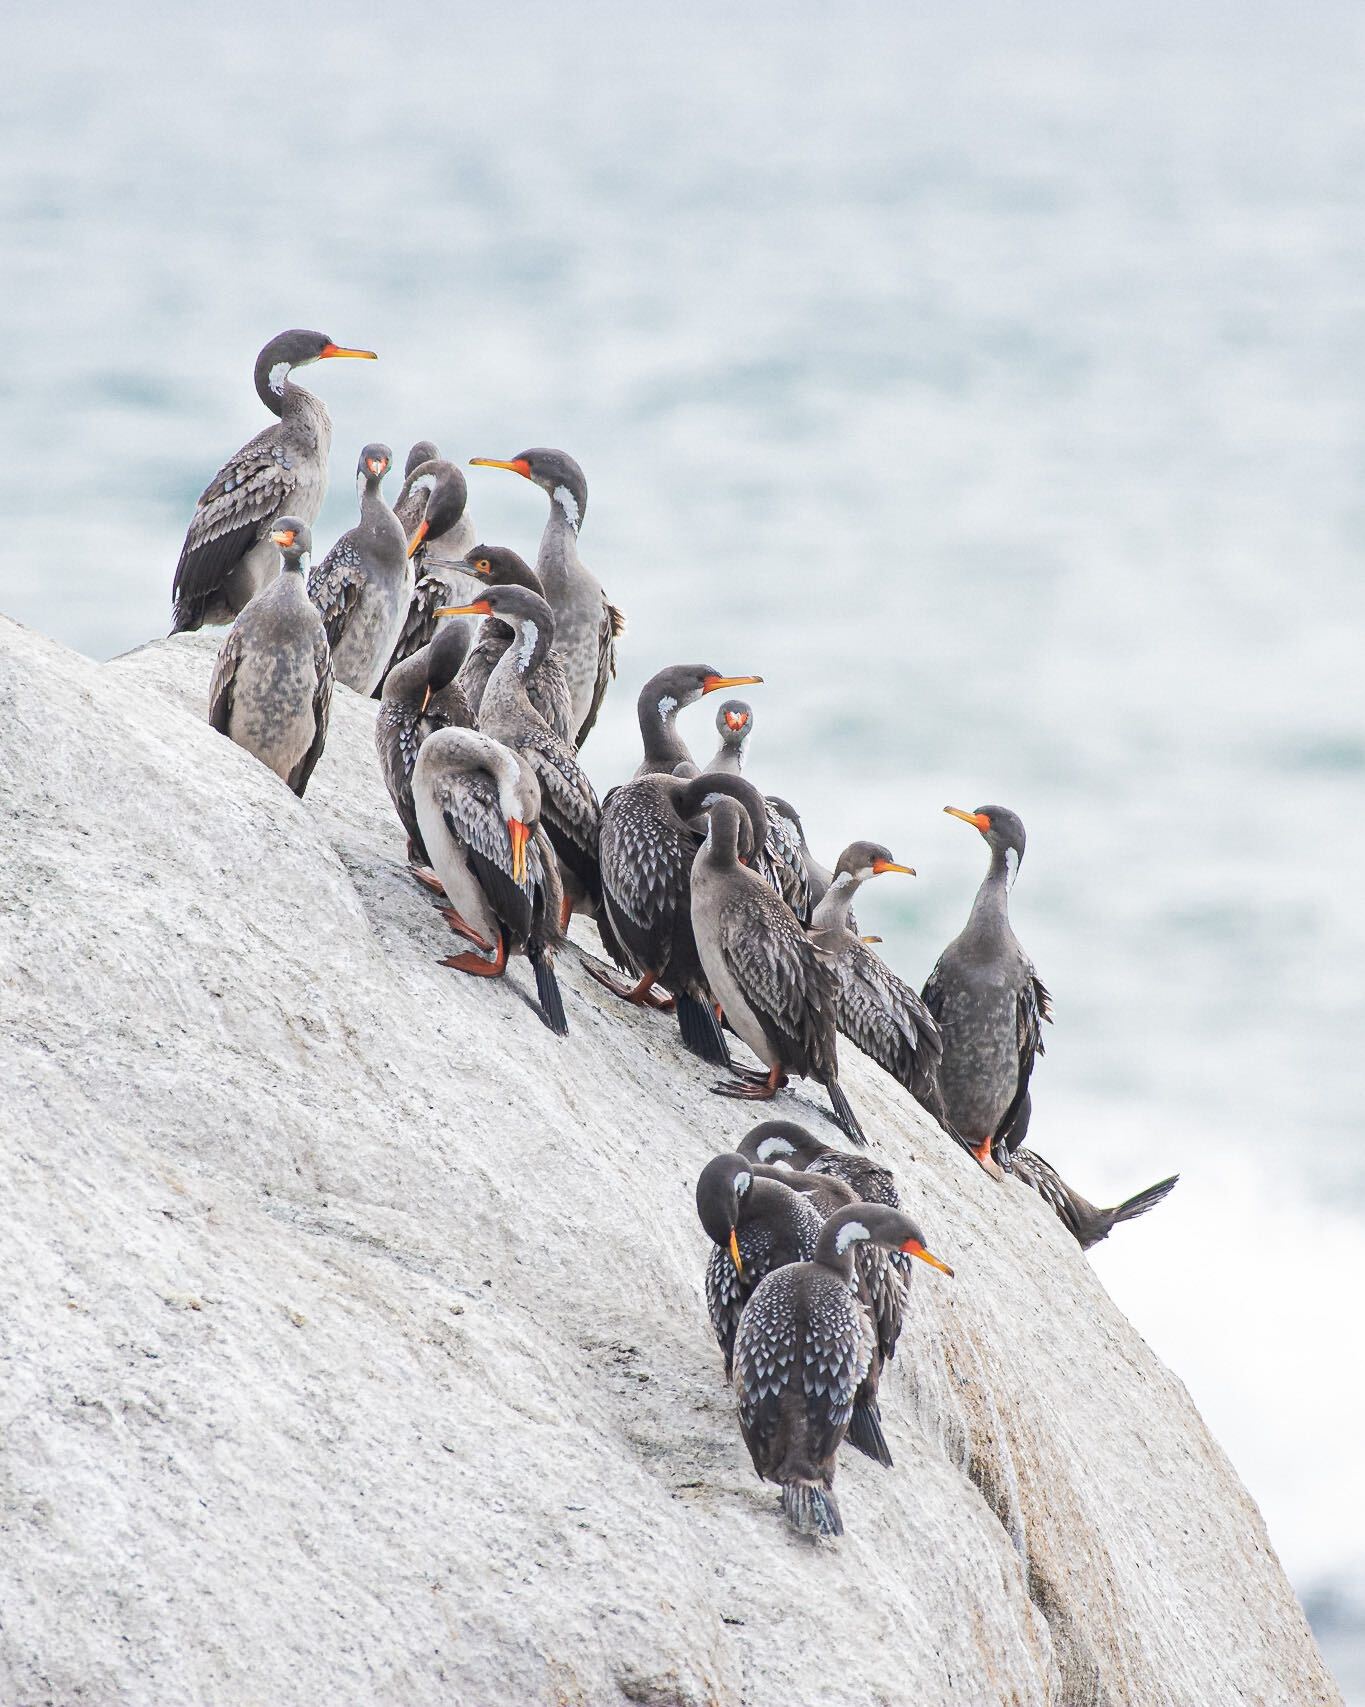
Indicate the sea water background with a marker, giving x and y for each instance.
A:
(988, 378)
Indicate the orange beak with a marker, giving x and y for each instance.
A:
(480, 607)
(735, 720)
(915, 1249)
(869, 939)
(709, 684)
(331, 350)
(979, 819)
(426, 697)
(519, 466)
(735, 1257)
(881, 865)
(284, 536)
(377, 466)
(423, 529)
(520, 835)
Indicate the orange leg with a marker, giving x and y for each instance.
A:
(462, 927)
(428, 879)
(982, 1152)
(477, 965)
(644, 995)
(759, 1092)
(565, 914)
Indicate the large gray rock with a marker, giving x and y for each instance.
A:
(352, 1332)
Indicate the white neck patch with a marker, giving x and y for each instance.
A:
(742, 1183)
(848, 1234)
(771, 1147)
(424, 483)
(667, 706)
(530, 634)
(360, 485)
(569, 504)
(1011, 865)
(278, 374)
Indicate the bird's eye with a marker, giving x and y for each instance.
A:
(483, 566)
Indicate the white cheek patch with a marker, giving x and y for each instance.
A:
(424, 483)
(530, 634)
(771, 1147)
(849, 1233)
(1011, 865)
(743, 1182)
(667, 706)
(569, 504)
(278, 374)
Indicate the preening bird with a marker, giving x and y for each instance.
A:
(421, 695)
(272, 684)
(363, 585)
(989, 1004)
(547, 687)
(802, 1352)
(431, 510)
(228, 555)
(586, 624)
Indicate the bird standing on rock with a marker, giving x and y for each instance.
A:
(228, 555)
(431, 510)
(989, 1005)
(363, 585)
(272, 684)
(478, 809)
(776, 986)
(421, 695)
(547, 687)
(802, 1352)
(663, 696)
(877, 1010)
(587, 625)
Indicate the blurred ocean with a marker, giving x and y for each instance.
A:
(988, 378)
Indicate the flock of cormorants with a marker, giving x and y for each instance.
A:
(490, 676)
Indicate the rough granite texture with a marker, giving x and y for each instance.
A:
(352, 1342)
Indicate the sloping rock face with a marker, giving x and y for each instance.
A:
(352, 1343)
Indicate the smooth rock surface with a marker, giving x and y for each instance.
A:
(352, 1341)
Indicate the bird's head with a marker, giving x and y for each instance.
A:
(721, 1187)
(554, 471)
(1003, 830)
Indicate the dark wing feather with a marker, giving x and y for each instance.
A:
(765, 1363)
(646, 854)
(334, 586)
(784, 860)
(1034, 1007)
(569, 808)
(473, 816)
(835, 1356)
(224, 677)
(547, 688)
(886, 1019)
(322, 705)
(429, 595)
(783, 975)
(233, 513)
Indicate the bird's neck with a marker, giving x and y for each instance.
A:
(558, 560)
(720, 850)
(828, 1254)
(729, 759)
(664, 747)
(834, 909)
(990, 915)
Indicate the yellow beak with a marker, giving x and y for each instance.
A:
(423, 529)
(735, 1257)
(331, 351)
(881, 865)
(978, 820)
(711, 683)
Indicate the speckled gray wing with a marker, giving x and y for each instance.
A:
(335, 585)
(1034, 1009)
(763, 1249)
(783, 976)
(872, 1182)
(767, 1366)
(224, 678)
(836, 1351)
(886, 1019)
(473, 816)
(322, 706)
(786, 863)
(613, 625)
(646, 857)
(569, 806)
(429, 595)
(234, 511)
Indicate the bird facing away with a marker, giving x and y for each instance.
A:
(802, 1351)
(734, 724)
(432, 514)
(776, 986)
(755, 1225)
(647, 843)
(588, 627)
(547, 687)
(662, 697)
(786, 1140)
(421, 695)
(878, 1011)
(1086, 1223)
(989, 1005)
(228, 555)
(364, 584)
(272, 683)
(478, 809)
(568, 801)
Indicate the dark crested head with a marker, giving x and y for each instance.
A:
(501, 567)
(1003, 829)
(294, 540)
(721, 1184)
(872, 1223)
(868, 859)
(422, 451)
(374, 462)
(734, 721)
(781, 1141)
(554, 471)
(445, 655)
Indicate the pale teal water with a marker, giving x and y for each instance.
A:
(993, 387)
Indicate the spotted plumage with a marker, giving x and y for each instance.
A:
(421, 695)
(363, 585)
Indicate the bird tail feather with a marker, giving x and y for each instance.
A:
(700, 1030)
(1143, 1201)
(865, 1432)
(811, 1509)
(844, 1114)
(547, 991)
